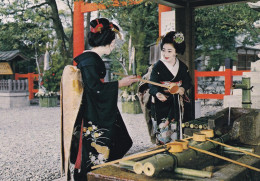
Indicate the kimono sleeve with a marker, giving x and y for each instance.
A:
(102, 97)
(154, 78)
(186, 79)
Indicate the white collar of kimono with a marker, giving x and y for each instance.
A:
(173, 69)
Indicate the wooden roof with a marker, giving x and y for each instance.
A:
(196, 3)
(10, 55)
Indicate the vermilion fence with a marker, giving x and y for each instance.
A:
(228, 74)
(31, 78)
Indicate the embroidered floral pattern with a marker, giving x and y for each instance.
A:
(93, 133)
(96, 159)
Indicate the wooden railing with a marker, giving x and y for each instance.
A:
(13, 85)
(228, 74)
(31, 78)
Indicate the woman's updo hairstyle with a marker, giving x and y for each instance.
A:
(102, 32)
(176, 39)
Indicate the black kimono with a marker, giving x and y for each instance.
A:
(169, 109)
(104, 136)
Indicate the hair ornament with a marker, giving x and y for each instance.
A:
(115, 30)
(178, 37)
(98, 28)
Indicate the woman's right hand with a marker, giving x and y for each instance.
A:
(161, 97)
(126, 81)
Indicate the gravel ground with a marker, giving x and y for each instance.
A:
(30, 142)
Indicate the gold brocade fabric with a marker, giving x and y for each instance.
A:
(71, 96)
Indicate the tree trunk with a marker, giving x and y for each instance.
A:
(57, 25)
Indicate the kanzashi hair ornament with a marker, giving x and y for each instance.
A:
(98, 28)
(115, 30)
(178, 38)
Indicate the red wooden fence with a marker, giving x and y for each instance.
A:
(228, 74)
(31, 78)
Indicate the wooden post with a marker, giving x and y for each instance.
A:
(30, 85)
(228, 75)
(196, 84)
(16, 76)
(78, 29)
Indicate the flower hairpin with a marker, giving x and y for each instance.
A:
(115, 30)
(178, 38)
(98, 28)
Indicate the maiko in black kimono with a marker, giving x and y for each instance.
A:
(170, 109)
(104, 136)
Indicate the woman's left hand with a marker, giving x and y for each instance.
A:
(180, 91)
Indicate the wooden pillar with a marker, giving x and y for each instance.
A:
(16, 76)
(195, 84)
(228, 75)
(30, 85)
(162, 8)
(185, 24)
(78, 29)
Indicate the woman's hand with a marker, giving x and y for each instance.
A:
(161, 97)
(180, 91)
(167, 122)
(126, 81)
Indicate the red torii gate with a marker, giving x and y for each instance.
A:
(80, 7)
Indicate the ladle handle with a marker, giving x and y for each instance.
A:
(224, 158)
(143, 80)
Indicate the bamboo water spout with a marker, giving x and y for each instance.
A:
(182, 158)
(246, 91)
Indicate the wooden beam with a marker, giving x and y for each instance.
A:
(89, 7)
(78, 30)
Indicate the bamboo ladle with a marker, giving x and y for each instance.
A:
(224, 158)
(172, 88)
(234, 148)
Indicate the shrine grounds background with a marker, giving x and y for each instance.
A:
(30, 141)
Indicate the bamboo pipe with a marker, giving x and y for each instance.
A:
(224, 158)
(234, 148)
(129, 158)
(127, 165)
(173, 88)
(138, 167)
(187, 124)
(205, 126)
(188, 155)
(192, 172)
(251, 150)
(156, 164)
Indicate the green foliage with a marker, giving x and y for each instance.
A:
(217, 27)
(141, 24)
(24, 28)
(29, 27)
(52, 77)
